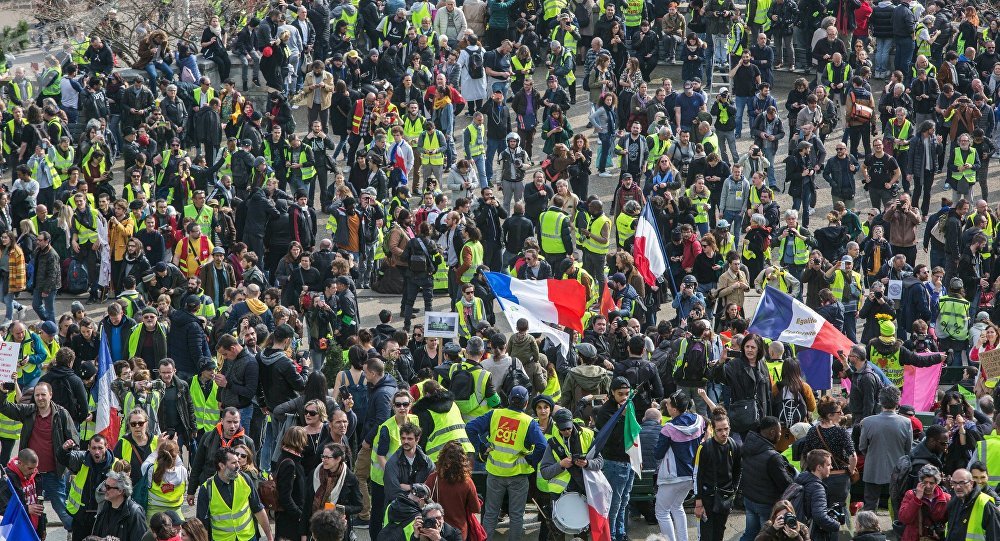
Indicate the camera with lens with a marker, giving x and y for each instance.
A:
(158, 385)
(791, 521)
(837, 513)
(817, 261)
(619, 317)
(430, 523)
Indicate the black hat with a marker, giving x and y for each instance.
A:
(620, 383)
(563, 419)
(87, 370)
(452, 348)
(343, 280)
(160, 267)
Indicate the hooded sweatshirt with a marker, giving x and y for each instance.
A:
(24, 485)
(279, 378)
(583, 380)
(676, 447)
(438, 403)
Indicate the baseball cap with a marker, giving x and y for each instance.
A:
(218, 250)
(619, 278)
(847, 259)
(563, 419)
(452, 348)
(724, 90)
(518, 395)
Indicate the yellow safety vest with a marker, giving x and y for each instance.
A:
(235, 522)
(901, 132)
(464, 326)
(30, 88)
(632, 12)
(11, 429)
(8, 132)
(86, 235)
(923, 46)
(476, 404)
(378, 471)
(56, 179)
(62, 164)
(128, 450)
(558, 484)
(595, 228)
(988, 451)
(206, 408)
(508, 454)
(551, 8)
(551, 224)
(412, 128)
(567, 38)
(837, 286)
(54, 88)
(889, 364)
(701, 204)
(201, 217)
(431, 142)
(969, 174)
(307, 171)
(657, 147)
(801, 253)
(475, 137)
(953, 317)
(975, 531)
(625, 227)
(349, 15)
(447, 427)
(418, 15)
(208, 96)
(476, 249)
(164, 500)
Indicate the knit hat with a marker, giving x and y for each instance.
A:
(887, 330)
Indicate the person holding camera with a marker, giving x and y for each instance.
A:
(784, 525)
(824, 521)
(924, 510)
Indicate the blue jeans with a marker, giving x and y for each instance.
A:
(620, 476)
(803, 203)
(11, 304)
(246, 415)
(720, 52)
(882, 47)
(493, 147)
(481, 169)
(904, 53)
(851, 325)
(709, 64)
(735, 219)
(741, 108)
(604, 158)
(167, 72)
(45, 307)
(757, 515)
(54, 488)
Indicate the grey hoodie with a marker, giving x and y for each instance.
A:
(733, 197)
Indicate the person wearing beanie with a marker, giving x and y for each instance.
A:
(149, 339)
(563, 462)
(888, 353)
(589, 377)
(515, 445)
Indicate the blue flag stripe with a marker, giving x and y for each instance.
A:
(500, 283)
(777, 314)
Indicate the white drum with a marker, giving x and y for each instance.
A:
(570, 514)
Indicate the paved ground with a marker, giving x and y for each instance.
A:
(371, 303)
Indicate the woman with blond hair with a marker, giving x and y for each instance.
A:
(166, 477)
(12, 272)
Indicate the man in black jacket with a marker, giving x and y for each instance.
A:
(67, 387)
(186, 340)
(239, 379)
(819, 463)
(48, 446)
(516, 229)
(772, 475)
(489, 214)
(176, 412)
(641, 375)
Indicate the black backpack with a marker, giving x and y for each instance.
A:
(515, 376)
(694, 364)
(476, 64)
(77, 278)
(462, 384)
(902, 478)
(420, 262)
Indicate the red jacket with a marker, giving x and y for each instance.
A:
(861, 16)
(934, 511)
(691, 250)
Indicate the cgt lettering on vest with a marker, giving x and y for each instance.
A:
(507, 430)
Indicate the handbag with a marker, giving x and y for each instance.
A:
(744, 414)
(856, 474)
(476, 530)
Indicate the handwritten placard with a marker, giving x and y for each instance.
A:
(8, 360)
(989, 363)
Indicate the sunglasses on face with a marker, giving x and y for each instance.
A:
(242, 455)
(312, 412)
(136, 424)
(401, 404)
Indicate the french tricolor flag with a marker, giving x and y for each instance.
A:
(561, 302)
(108, 419)
(648, 250)
(781, 317)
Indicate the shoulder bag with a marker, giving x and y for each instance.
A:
(856, 475)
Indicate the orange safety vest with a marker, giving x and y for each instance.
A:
(359, 113)
(202, 255)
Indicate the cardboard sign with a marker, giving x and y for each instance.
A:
(989, 363)
(441, 324)
(8, 360)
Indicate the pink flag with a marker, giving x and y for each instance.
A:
(598, 504)
(920, 386)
